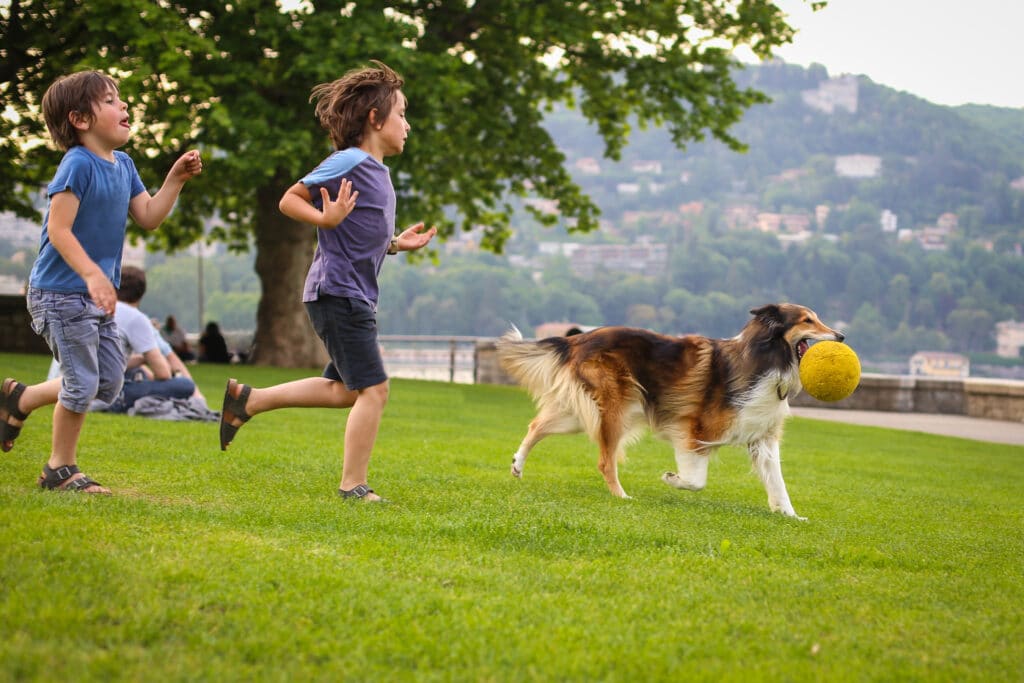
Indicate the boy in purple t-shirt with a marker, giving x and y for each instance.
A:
(349, 197)
(72, 288)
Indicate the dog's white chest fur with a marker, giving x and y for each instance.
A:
(764, 408)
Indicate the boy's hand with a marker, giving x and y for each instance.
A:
(411, 238)
(188, 166)
(102, 292)
(335, 212)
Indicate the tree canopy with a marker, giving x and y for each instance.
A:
(234, 80)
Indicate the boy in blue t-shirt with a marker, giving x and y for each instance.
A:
(73, 285)
(349, 197)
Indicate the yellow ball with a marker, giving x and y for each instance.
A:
(829, 371)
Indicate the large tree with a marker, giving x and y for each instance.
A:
(233, 78)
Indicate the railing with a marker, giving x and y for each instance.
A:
(433, 357)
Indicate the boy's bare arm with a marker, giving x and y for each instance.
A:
(296, 205)
(150, 211)
(63, 209)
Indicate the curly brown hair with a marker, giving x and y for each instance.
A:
(74, 93)
(343, 106)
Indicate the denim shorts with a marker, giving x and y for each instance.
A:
(348, 329)
(84, 341)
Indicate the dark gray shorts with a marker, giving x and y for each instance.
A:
(348, 329)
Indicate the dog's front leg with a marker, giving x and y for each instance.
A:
(693, 471)
(765, 457)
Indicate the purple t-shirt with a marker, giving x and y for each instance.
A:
(104, 189)
(348, 258)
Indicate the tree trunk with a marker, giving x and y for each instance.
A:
(284, 335)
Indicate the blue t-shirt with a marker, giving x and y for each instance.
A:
(104, 189)
(348, 258)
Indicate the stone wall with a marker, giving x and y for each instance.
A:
(994, 399)
(16, 335)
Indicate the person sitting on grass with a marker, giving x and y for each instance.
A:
(213, 348)
(147, 371)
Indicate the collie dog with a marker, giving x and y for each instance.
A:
(695, 392)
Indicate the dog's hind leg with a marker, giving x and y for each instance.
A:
(549, 420)
(693, 470)
(765, 457)
(610, 440)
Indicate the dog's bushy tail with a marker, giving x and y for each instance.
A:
(535, 365)
(543, 368)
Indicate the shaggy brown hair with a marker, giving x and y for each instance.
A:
(343, 106)
(133, 285)
(75, 93)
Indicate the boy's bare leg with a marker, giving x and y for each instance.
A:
(318, 392)
(36, 396)
(360, 435)
(67, 426)
(311, 392)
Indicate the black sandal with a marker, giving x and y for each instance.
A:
(12, 391)
(57, 479)
(360, 492)
(233, 408)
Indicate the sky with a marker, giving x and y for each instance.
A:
(949, 52)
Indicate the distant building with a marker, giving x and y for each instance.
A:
(19, 232)
(1009, 338)
(653, 167)
(932, 238)
(588, 166)
(641, 257)
(947, 222)
(788, 239)
(821, 212)
(940, 364)
(792, 223)
(545, 206)
(858, 166)
(740, 217)
(833, 94)
(889, 221)
(11, 284)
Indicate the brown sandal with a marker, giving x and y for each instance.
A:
(232, 409)
(12, 391)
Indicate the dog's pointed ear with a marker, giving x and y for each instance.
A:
(767, 312)
(770, 316)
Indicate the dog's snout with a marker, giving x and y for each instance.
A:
(840, 336)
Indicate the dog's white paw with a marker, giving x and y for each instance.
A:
(788, 512)
(516, 471)
(677, 482)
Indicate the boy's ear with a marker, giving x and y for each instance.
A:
(372, 118)
(79, 120)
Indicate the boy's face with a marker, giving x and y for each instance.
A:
(110, 127)
(395, 128)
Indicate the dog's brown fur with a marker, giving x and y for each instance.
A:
(698, 393)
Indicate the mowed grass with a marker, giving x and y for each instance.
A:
(246, 565)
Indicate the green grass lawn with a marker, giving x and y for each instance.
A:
(245, 565)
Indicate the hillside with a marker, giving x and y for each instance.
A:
(931, 159)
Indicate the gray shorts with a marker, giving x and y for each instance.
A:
(84, 341)
(348, 329)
